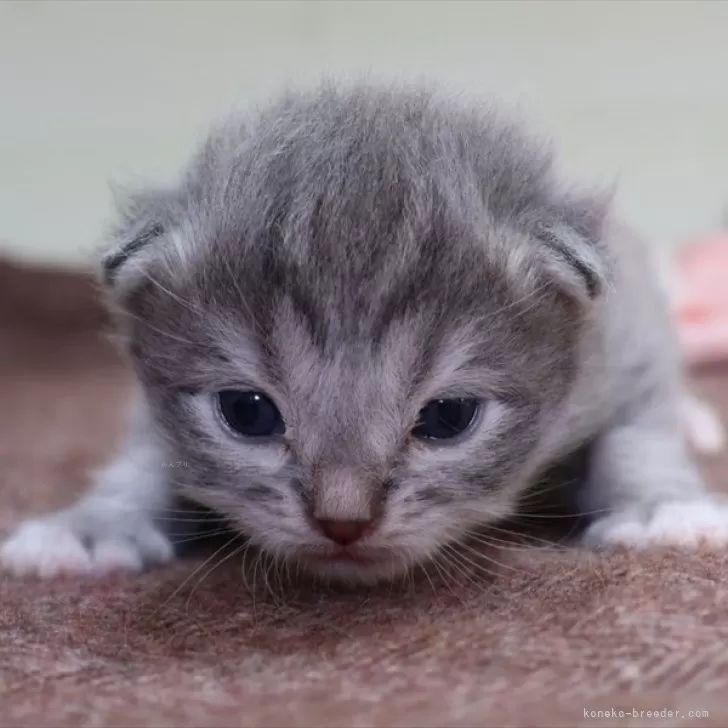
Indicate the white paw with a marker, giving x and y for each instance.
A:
(53, 546)
(675, 523)
(704, 427)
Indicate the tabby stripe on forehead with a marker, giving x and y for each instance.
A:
(114, 261)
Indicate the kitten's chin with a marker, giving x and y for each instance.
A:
(356, 567)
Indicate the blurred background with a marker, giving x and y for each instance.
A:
(93, 92)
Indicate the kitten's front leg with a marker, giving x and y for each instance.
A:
(644, 490)
(112, 528)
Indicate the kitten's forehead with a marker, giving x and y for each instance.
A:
(356, 221)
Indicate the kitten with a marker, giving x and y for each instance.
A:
(363, 323)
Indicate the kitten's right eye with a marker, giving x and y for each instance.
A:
(444, 419)
(251, 414)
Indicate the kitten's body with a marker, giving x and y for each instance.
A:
(354, 255)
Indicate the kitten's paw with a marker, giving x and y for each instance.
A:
(703, 425)
(687, 524)
(52, 546)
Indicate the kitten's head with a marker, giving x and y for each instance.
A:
(355, 319)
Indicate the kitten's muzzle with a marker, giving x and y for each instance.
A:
(345, 504)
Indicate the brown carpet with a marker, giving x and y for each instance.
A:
(554, 634)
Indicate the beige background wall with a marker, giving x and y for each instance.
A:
(98, 91)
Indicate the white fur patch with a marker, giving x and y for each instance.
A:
(49, 547)
(703, 425)
(676, 523)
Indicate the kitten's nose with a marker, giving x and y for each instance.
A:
(343, 532)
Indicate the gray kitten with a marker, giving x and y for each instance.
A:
(363, 324)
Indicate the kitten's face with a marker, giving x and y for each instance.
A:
(355, 358)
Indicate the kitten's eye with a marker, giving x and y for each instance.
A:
(250, 413)
(442, 419)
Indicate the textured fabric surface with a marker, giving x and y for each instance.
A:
(553, 634)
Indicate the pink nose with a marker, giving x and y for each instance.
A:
(343, 532)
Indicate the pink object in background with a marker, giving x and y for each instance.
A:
(702, 300)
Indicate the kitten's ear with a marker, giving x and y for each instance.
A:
(134, 241)
(572, 250)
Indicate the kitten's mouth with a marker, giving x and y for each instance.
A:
(348, 557)
(356, 564)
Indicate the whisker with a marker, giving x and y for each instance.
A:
(282, 577)
(272, 567)
(531, 540)
(201, 536)
(524, 546)
(257, 565)
(244, 569)
(195, 572)
(407, 571)
(429, 580)
(490, 583)
(540, 488)
(565, 515)
(264, 571)
(297, 568)
(490, 559)
(189, 518)
(229, 556)
(448, 556)
(287, 566)
(444, 577)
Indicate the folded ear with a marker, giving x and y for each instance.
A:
(572, 248)
(134, 241)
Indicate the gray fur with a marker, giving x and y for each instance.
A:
(356, 252)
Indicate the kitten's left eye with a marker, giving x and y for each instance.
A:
(251, 414)
(443, 419)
